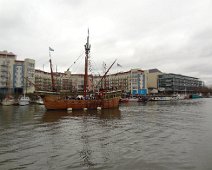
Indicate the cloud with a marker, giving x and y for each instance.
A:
(174, 36)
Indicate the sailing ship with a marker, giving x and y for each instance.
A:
(102, 99)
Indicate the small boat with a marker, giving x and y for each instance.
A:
(24, 100)
(179, 97)
(8, 101)
(196, 96)
(161, 98)
(133, 99)
(39, 101)
(143, 99)
(124, 100)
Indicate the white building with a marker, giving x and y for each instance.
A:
(29, 75)
(133, 82)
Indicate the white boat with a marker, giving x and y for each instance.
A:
(168, 98)
(24, 100)
(39, 101)
(132, 99)
(161, 98)
(180, 97)
(8, 101)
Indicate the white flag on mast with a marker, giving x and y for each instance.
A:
(51, 49)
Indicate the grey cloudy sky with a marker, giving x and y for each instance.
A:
(171, 35)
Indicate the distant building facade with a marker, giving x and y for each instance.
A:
(18, 76)
(29, 75)
(7, 60)
(63, 81)
(152, 79)
(133, 82)
(176, 83)
(13, 74)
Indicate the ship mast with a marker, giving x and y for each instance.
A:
(106, 73)
(87, 51)
(52, 76)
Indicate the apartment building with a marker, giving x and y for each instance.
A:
(7, 60)
(152, 79)
(29, 75)
(18, 76)
(14, 74)
(63, 81)
(132, 82)
(24, 76)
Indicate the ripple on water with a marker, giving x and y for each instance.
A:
(155, 135)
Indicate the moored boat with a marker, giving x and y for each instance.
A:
(180, 97)
(168, 98)
(162, 98)
(196, 96)
(143, 99)
(133, 99)
(124, 100)
(8, 101)
(39, 101)
(24, 100)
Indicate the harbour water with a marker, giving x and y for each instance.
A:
(164, 135)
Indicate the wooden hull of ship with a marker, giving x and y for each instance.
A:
(56, 103)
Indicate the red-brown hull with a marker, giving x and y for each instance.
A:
(56, 103)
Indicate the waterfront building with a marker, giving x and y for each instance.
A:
(18, 74)
(24, 76)
(13, 74)
(42, 80)
(152, 79)
(133, 82)
(29, 75)
(7, 60)
(176, 83)
(64, 82)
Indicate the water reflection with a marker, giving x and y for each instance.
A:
(55, 115)
(88, 133)
(15, 114)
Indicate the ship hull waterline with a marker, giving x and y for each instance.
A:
(53, 103)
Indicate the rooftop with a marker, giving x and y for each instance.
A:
(5, 53)
(154, 70)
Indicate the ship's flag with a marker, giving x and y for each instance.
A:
(119, 65)
(50, 49)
